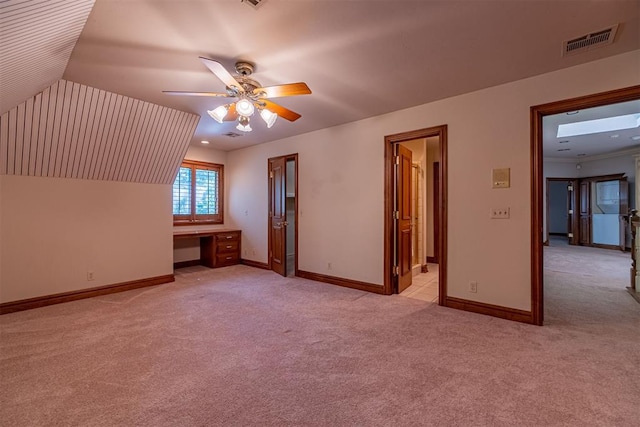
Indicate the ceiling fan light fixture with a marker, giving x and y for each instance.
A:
(219, 113)
(243, 124)
(269, 117)
(244, 107)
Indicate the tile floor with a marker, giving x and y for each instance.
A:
(424, 286)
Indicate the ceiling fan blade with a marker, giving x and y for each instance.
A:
(220, 72)
(285, 113)
(179, 92)
(232, 114)
(289, 89)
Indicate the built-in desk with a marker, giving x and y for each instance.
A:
(218, 248)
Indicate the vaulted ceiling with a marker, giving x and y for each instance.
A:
(36, 40)
(360, 58)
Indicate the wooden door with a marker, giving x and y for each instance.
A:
(585, 212)
(278, 215)
(403, 204)
(623, 212)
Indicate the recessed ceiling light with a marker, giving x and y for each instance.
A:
(581, 155)
(636, 137)
(571, 113)
(204, 142)
(615, 135)
(609, 124)
(564, 149)
(563, 142)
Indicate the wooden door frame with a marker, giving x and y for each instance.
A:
(287, 157)
(537, 178)
(441, 244)
(590, 180)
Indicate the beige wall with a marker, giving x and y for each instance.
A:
(341, 173)
(1, 228)
(55, 230)
(189, 249)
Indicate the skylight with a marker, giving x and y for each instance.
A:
(610, 124)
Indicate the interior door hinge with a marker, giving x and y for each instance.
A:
(396, 270)
(570, 235)
(570, 188)
(397, 160)
(396, 214)
(271, 174)
(570, 211)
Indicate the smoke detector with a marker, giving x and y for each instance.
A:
(589, 41)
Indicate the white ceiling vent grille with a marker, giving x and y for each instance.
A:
(253, 3)
(590, 41)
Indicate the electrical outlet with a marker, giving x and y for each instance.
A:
(500, 213)
(329, 266)
(89, 275)
(473, 287)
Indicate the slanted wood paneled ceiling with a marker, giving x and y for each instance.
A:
(361, 58)
(71, 130)
(36, 40)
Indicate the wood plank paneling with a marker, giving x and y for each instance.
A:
(36, 41)
(71, 130)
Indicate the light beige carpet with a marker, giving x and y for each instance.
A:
(245, 347)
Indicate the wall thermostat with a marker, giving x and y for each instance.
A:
(500, 178)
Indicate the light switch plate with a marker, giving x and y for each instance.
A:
(500, 213)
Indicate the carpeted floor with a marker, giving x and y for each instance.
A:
(240, 346)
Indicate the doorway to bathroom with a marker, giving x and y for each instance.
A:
(415, 227)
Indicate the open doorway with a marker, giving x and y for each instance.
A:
(422, 182)
(283, 214)
(415, 213)
(574, 154)
(562, 216)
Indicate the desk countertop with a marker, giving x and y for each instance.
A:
(202, 232)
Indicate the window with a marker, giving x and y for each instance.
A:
(198, 193)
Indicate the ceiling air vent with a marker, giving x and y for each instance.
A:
(253, 3)
(232, 134)
(589, 41)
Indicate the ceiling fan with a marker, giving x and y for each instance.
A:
(251, 96)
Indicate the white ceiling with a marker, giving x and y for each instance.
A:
(361, 58)
(585, 146)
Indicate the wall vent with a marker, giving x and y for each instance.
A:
(253, 3)
(589, 41)
(232, 134)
